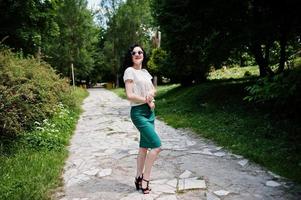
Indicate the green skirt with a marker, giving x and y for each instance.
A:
(143, 118)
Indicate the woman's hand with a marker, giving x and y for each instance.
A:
(151, 105)
(150, 101)
(152, 92)
(149, 98)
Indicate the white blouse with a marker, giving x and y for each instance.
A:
(142, 82)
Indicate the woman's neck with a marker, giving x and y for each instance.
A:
(136, 66)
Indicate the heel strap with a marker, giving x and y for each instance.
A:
(139, 178)
(145, 180)
(147, 189)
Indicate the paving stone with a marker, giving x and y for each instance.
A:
(110, 151)
(274, 175)
(133, 152)
(258, 196)
(171, 140)
(104, 172)
(191, 183)
(98, 154)
(221, 192)
(195, 152)
(243, 162)
(78, 179)
(206, 151)
(78, 162)
(82, 177)
(169, 197)
(236, 156)
(179, 149)
(139, 196)
(167, 189)
(272, 184)
(185, 174)
(218, 148)
(172, 183)
(219, 154)
(133, 196)
(190, 143)
(210, 196)
(159, 181)
(119, 155)
(70, 173)
(91, 172)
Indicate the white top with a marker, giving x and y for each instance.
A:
(142, 82)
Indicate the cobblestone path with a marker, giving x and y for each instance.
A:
(102, 162)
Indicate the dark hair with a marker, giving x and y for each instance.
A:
(128, 62)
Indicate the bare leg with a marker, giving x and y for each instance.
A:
(150, 159)
(140, 161)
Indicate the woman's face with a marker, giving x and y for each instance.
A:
(137, 55)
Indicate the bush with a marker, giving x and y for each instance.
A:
(281, 90)
(29, 91)
(48, 135)
(157, 63)
(247, 74)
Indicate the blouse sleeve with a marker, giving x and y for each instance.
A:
(128, 75)
(148, 74)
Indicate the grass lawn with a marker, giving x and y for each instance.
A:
(30, 167)
(216, 110)
(234, 72)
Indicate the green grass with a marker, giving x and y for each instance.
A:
(30, 166)
(216, 110)
(120, 92)
(234, 72)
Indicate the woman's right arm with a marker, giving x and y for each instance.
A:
(129, 84)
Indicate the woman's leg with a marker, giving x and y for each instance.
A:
(140, 161)
(150, 159)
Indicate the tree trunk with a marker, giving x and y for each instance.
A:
(186, 81)
(257, 52)
(267, 54)
(282, 52)
(155, 81)
(73, 80)
(117, 80)
(263, 62)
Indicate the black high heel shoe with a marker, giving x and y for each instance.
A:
(138, 182)
(147, 189)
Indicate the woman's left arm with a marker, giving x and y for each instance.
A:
(153, 91)
(151, 94)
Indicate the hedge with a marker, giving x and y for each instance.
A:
(30, 91)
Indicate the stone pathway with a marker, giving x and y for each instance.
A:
(102, 162)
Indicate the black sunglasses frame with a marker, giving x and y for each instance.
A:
(136, 52)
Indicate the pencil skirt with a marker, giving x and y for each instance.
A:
(143, 118)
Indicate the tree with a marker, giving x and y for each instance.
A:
(26, 24)
(189, 37)
(157, 63)
(200, 34)
(76, 41)
(125, 29)
(269, 22)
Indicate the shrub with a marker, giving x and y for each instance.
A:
(48, 135)
(158, 62)
(247, 74)
(29, 91)
(281, 90)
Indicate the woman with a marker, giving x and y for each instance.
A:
(140, 92)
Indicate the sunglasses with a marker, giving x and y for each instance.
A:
(134, 53)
